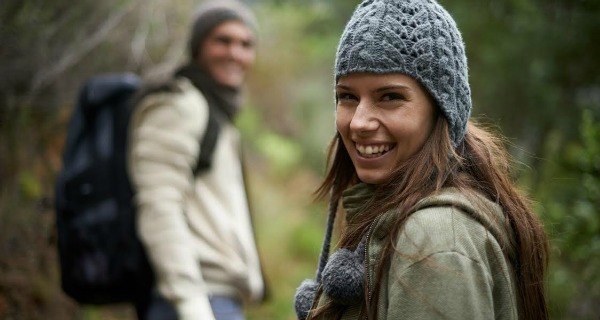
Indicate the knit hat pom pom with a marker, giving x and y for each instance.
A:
(304, 298)
(344, 276)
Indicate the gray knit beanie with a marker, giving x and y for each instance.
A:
(414, 37)
(212, 13)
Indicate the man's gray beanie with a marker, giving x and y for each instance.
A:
(214, 12)
(414, 37)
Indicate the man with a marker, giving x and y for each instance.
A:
(196, 228)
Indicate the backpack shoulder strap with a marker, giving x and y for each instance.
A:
(209, 142)
(211, 135)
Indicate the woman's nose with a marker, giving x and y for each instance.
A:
(364, 119)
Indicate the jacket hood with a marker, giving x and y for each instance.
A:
(486, 212)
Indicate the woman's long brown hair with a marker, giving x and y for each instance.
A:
(479, 164)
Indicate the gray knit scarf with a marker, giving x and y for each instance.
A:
(219, 97)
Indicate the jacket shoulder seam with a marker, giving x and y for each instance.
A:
(477, 262)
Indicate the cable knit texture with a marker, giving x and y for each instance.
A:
(414, 37)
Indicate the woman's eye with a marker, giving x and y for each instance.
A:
(392, 96)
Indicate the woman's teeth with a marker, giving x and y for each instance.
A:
(370, 150)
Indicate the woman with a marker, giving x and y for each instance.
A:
(435, 228)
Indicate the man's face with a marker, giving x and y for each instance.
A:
(228, 52)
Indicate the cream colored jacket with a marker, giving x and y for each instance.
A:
(196, 230)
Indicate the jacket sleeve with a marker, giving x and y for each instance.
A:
(444, 285)
(440, 268)
(163, 148)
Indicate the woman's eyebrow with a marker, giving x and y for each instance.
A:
(392, 87)
(378, 90)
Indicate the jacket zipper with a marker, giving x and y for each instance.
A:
(366, 262)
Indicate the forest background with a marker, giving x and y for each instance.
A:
(534, 72)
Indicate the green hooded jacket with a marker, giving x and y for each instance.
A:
(451, 260)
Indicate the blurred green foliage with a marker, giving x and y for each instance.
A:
(569, 202)
(533, 71)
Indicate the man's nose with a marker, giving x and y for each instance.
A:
(238, 51)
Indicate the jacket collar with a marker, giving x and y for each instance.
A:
(355, 198)
(483, 210)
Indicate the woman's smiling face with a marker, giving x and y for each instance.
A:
(383, 120)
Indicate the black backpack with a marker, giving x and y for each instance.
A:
(101, 258)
